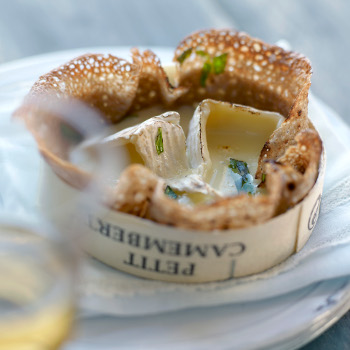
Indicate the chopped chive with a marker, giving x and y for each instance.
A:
(70, 134)
(263, 177)
(184, 55)
(202, 53)
(239, 167)
(159, 142)
(219, 63)
(170, 193)
(205, 73)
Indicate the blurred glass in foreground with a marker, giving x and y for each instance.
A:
(36, 288)
(38, 266)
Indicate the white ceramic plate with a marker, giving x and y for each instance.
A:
(285, 322)
(281, 323)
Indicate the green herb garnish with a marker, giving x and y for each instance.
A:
(239, 167)
(70, 134)
(159, 142)
(219, 63)
(169, 192)
(202, 53)
(249, 188)
(243, 179)
(216, 64)
(263, 178)
(205, 73)
(184, 55)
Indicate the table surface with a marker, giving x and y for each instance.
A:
(317, 28)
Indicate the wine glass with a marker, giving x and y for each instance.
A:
(37, 298)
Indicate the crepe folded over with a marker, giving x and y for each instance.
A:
(223, 65)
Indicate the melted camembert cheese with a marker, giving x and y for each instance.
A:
(231, 133)
(238, 133)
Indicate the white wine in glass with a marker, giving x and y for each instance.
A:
(36, 289)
